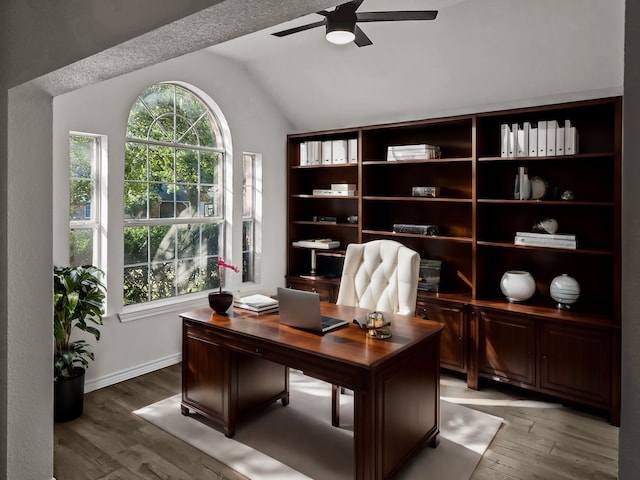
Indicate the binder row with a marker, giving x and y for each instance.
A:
(546, 138)
(329, 152)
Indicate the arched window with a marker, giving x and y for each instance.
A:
(174, 193)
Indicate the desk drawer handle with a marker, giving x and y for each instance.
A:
(258, 350)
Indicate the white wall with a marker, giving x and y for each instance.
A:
(127, 349)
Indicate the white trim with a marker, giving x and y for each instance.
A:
(170, 305)
(130, 373)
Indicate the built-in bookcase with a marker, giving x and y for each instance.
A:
(477, 216)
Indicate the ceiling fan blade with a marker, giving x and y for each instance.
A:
(396, 16)
(298, 29)
(361, 39)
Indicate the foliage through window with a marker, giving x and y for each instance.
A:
(84, 213)
(173, 186)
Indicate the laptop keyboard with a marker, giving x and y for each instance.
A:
(329, 321)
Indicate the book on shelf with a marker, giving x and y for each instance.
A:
(545, 242)
(352, 147)
(326, 152)
(303, 154)
(257, 303)
(554, 236)
(570, 138)
(327, 192)
(339, 152)
(319, 243)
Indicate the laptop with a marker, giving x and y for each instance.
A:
(301, 309)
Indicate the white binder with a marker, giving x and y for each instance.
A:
(339, 149)
(560, 141)
(504, 140)
(542, 138)
(533, 141)
(326, 152)
(552, 126)
(352, 147)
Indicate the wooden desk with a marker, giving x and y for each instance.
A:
(235, 365)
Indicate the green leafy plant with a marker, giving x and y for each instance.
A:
(78, 300)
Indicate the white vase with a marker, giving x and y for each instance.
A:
(565, 290)
(517, 285)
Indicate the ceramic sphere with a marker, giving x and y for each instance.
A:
(565, 290)
(517, 285)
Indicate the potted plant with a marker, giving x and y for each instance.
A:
(78, 303)
(221, 301)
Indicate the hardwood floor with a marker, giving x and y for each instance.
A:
(536, 441)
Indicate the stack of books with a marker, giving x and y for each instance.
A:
(340, 189)
(412, 152)
(552, 240)
(320, 243)
(257, 303)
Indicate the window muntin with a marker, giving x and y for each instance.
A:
(173, 207)
(84, 195)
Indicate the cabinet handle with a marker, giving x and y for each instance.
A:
(425, 314)
(258, 350)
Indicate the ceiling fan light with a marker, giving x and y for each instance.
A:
(340, 37)
(341, 27)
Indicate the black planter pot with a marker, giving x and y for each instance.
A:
(220, 301)
(68, 396)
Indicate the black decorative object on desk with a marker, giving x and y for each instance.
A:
(220, 301)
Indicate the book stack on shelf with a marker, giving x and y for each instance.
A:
(337, 189)
(317, 243)
(545, 138)
(412, 152)
(551, 240)
(329, 152)
(257, 303)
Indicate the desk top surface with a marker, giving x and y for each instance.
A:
(348, 344)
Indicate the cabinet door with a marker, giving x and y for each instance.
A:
(203, 381)
(452, 340)
(507, 347)
(576, 362)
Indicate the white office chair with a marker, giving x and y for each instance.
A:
(380, 275)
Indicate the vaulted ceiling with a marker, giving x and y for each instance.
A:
(476, 55)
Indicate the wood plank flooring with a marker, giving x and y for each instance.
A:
(110, 443)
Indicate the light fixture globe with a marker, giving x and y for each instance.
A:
(341, 27)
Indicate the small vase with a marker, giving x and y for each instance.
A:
(565, 290)
(517, 285)
(220, 302)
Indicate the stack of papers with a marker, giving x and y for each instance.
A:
(257, 303)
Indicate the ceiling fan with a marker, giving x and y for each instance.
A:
(341, 23)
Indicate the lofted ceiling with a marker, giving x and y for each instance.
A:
(476, 55)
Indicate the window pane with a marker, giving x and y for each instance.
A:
(135, 200)
(135, 162)
(81, 246)
(161, 164)
(211, 240)
(188, 241)
(80, 197)
(136, 285)
(136, 243)
(162, 281)
(163, 245)
(82, 152)
(209, 167)
(187, 166)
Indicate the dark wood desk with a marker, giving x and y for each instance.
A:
(233, 366)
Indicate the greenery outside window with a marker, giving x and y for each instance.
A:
(84, 199)
(174, 192)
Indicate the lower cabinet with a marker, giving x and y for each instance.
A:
(453, 341)
(566, 360)
(576, 362)
(507, 347)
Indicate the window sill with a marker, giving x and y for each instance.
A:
(132, 313)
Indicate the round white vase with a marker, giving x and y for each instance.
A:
(565, 290)
(517, 285)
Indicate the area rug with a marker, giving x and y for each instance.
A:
(298, 442)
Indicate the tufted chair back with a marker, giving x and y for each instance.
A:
(380, 275)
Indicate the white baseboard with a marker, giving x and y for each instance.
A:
(111, 379)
